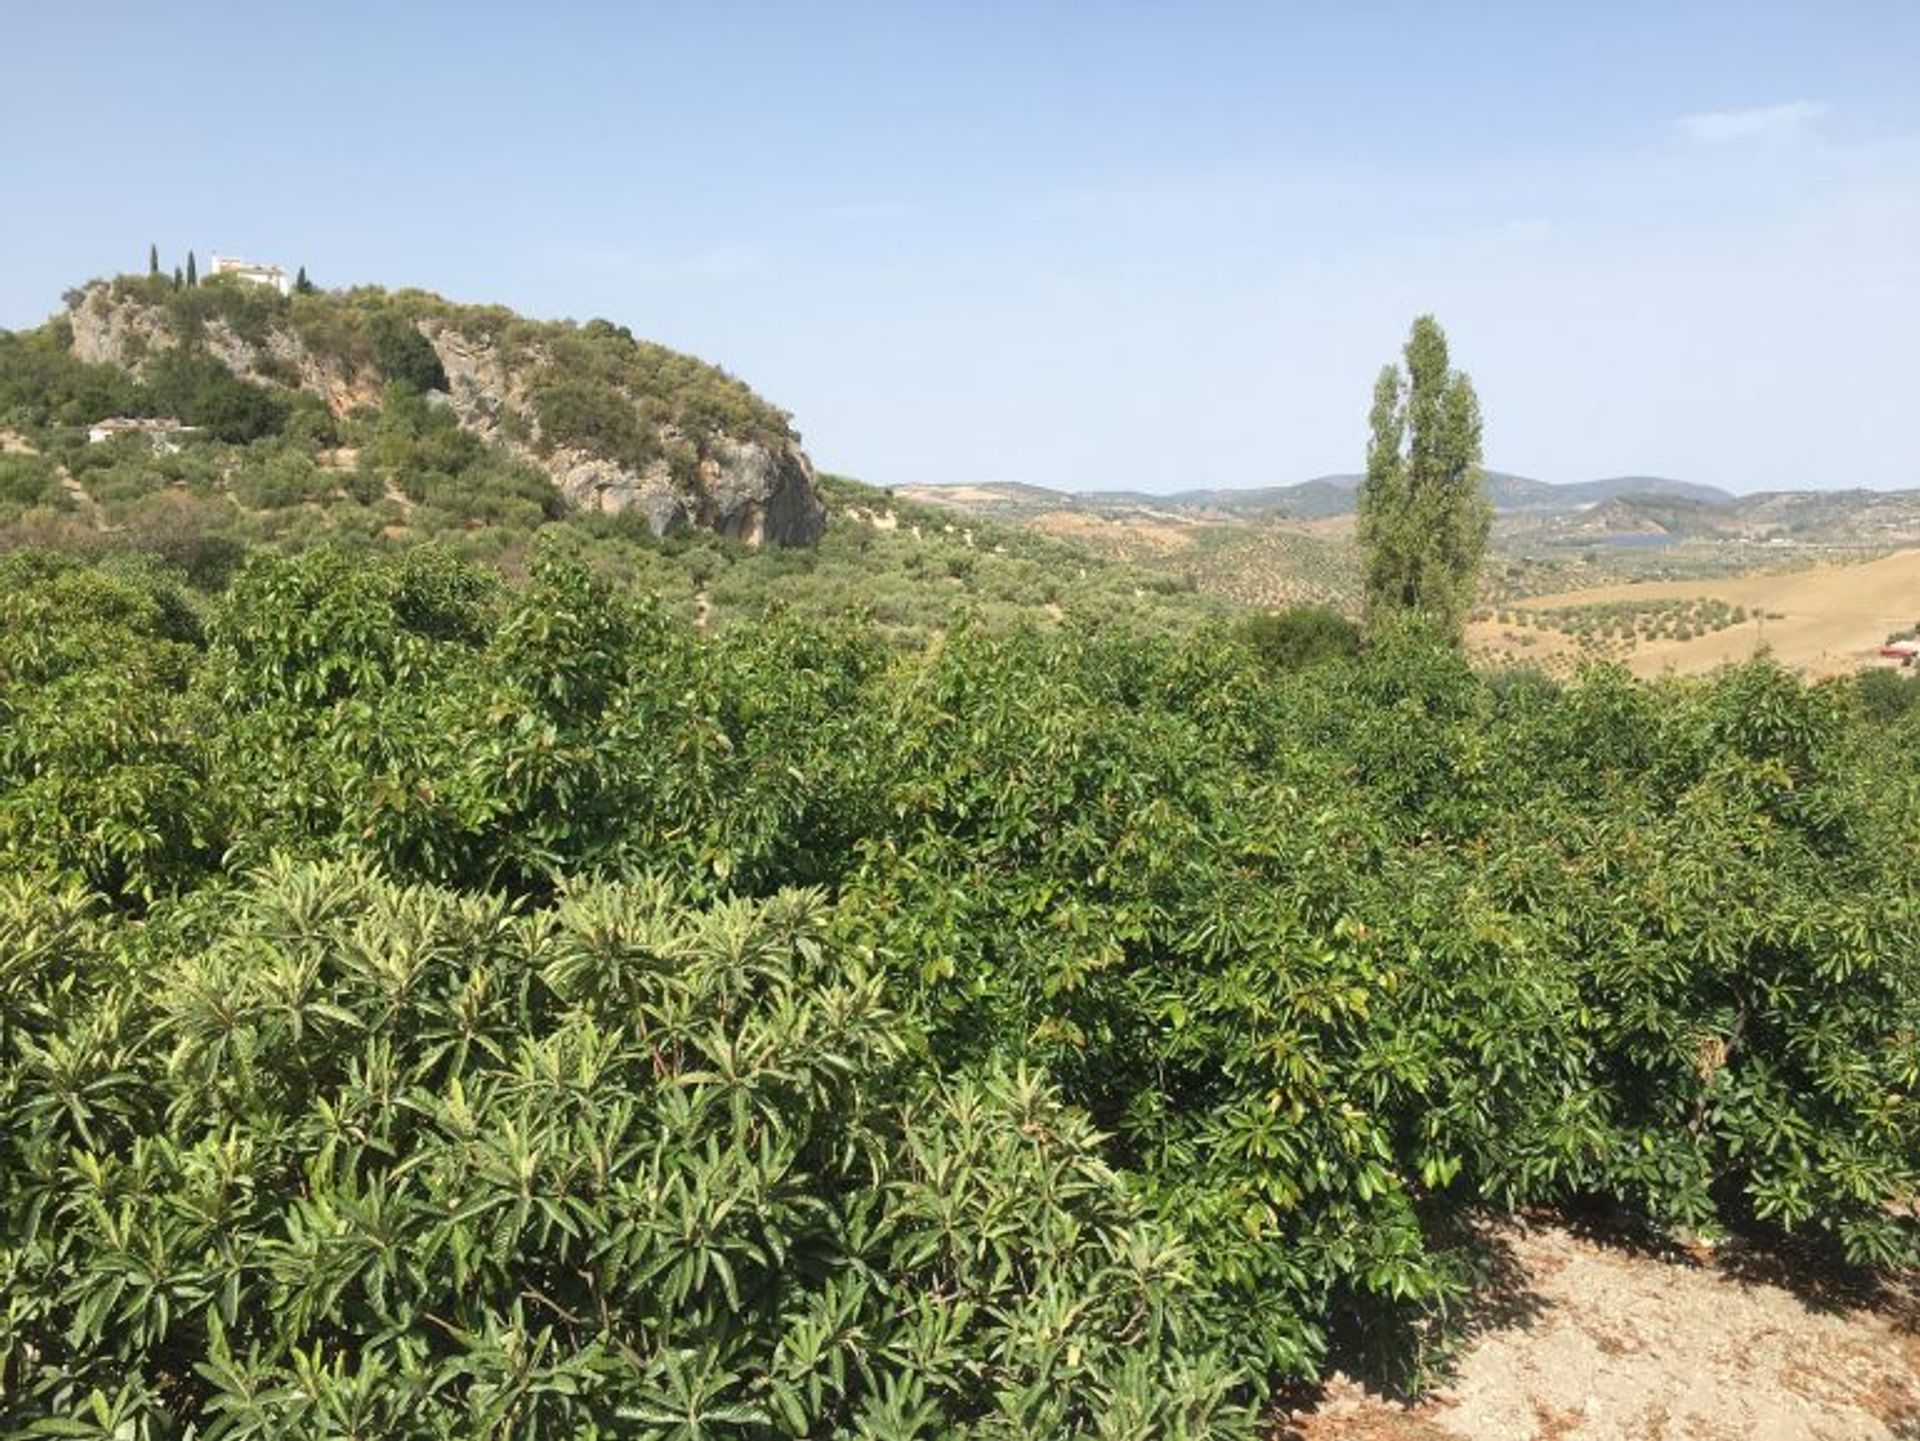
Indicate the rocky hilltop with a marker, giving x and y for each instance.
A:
(617, 424)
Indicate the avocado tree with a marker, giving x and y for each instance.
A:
(1422, 520)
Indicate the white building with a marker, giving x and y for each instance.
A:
(252, 273)
(166, 435)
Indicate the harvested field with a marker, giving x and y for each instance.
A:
(1821, 621)
(1130, 537)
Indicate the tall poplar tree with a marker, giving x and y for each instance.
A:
(1422, 519)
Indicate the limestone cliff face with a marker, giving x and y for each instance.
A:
(757, 488)
(743, 487)
(118, 331)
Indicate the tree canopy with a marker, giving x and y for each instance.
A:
(475, 1008)
(1422, 519)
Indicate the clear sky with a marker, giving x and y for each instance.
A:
(1077, 244)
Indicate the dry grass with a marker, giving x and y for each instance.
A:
(1120, 538)
(1821, 621)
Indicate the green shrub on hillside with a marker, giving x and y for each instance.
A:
(421, 450)
(25, 481)
(594, 416)
(404, 356)
(202, 392)
(275, 480)
(249, 310)
(333, 329)
(42, 384)
(1300, 635)
(1887, 695)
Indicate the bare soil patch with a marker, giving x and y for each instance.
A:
(956, 496)
(1129, 535)
(82, 501)
(1596, 1341)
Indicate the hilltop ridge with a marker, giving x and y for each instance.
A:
(1325, 496)
(613, 424)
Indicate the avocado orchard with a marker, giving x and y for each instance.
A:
(431, 1006)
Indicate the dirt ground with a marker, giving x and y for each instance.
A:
(1158, 537)
(1822, 621)
(1596, 1341)
(960, 497)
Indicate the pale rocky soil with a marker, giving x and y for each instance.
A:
(1593, 1341)
(1831, 619)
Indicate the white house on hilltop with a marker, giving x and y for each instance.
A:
(252, 273)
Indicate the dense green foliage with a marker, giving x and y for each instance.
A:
(403, 355)
(43, 385)
(584, 388)
(435, 1006)
(1301, 635)
(1888, 695)
(350, 1158)
(27, 481)
(1421, 517)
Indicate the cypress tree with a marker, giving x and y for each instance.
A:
(193, 279)
(302, 285)
(1422, 521)
(153, 260)
(178, 279)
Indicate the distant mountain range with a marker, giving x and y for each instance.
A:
(1334, 495)
(1330, 495)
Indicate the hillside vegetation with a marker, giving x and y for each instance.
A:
(324, 420)
(1554, 544)
(360, 414)
(585, 379)
(439, 1004)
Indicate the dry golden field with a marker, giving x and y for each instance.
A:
(1821, 621)
(1688, 608)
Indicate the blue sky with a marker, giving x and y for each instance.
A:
(1080, 245)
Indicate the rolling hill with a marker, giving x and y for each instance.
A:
(1319, 498)
(403, 394)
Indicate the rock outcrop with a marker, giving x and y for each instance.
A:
(743, 487)
(116, 330)
(759, 487)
